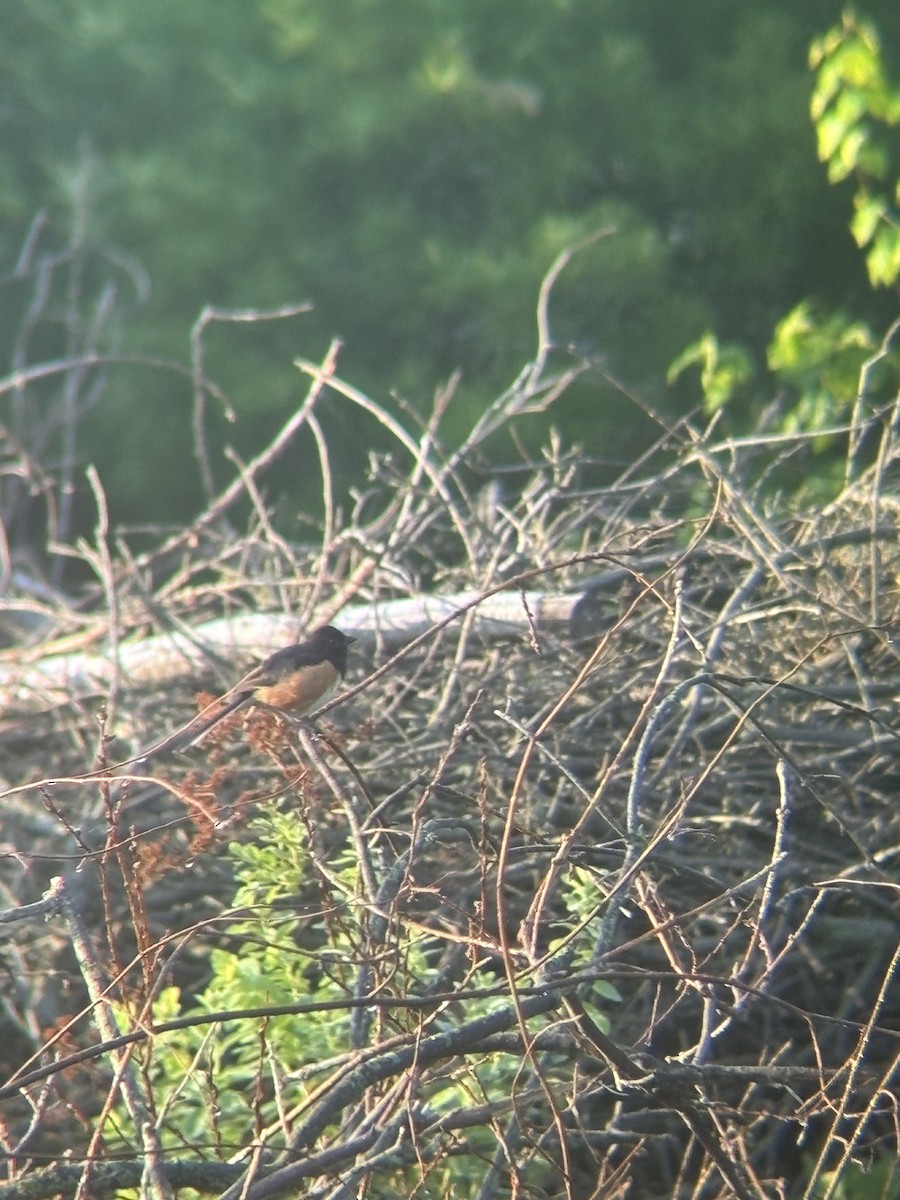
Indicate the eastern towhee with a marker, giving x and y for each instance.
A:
(292, 680)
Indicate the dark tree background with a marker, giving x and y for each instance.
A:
(412, 174)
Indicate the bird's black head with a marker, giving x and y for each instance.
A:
(333, 643)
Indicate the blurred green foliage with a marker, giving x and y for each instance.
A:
(859, 1181)
(414, 177)
(854, 107)
(723, 369)
(820, 357)
(827, 367)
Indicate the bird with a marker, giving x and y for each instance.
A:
(292, 680)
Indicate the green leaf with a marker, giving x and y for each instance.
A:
(883, 260)
(607, 990)
(600, 1018)
(852, 102)
(870, 212)
(723, 368)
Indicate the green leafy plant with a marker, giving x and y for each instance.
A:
(216, 1085)
(217, 1082)
(880, 1181)
(818, 359)
(724, 368)
(853, 106)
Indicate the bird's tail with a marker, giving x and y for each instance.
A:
(196, 728)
